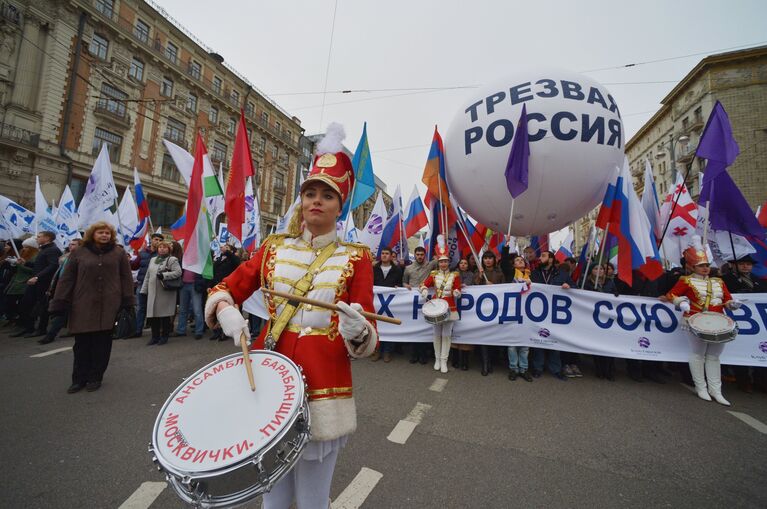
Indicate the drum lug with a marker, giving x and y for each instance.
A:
(301, 425)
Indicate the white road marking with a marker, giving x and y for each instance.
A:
(405, 427)
(754, 423)
(52, 352)
(143, 497)
(358, 490)
(401, 432)
(438, 385)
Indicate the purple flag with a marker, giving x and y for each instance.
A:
(516, 167)
(717, 144)
(728, 209)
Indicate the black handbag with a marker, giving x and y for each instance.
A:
(125, 323)
(171, 284)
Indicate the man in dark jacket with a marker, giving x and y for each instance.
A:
(34, 303)
(141, 263)
(223, 265)
(548, 274)
(740, 280)
(386, 273)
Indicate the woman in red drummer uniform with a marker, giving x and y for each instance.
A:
(447, 286)
(693, 294)
(310, 260)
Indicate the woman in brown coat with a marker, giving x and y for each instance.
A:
(489, 273)
(96, 284)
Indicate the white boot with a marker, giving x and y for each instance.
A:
(437, 353)
(699, 376)
(714, 377)
(445, 353)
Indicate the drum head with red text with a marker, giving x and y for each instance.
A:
(213, 420)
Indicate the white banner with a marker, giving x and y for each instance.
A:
(568, 320)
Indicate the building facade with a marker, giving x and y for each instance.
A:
(738, 80)
(75, 74)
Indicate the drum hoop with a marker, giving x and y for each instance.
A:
(719, 316)
(275, 439)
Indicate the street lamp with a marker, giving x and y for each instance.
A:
(672, 143)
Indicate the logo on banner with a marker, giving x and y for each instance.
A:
(375, 225)
(544, 333)
(644, 342)
(763, 346)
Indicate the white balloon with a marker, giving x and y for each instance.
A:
(576, 142)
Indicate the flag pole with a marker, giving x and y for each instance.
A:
(602, 252)
(349, 212)
(589, 247)
(511, 215)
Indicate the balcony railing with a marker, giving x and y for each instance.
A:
(19, 135)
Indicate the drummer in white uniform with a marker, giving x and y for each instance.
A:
(447, 286)
(694, 294)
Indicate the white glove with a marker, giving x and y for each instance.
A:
(425, 294)
(457, 293)
(734, 304)
(233, 324)
(12, 261)
(684, 306)
(351, 324)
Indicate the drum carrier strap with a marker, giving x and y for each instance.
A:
(300, 289)
(709, 291)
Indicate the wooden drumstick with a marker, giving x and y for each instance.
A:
(327, 305)
(246, 359)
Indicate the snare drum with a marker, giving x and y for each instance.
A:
(713, 327)
(436, 311)
(218, 443)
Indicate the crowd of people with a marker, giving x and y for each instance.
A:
(29, 281)
(28, 284)
(543, 268)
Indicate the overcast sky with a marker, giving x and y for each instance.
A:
(282, 48)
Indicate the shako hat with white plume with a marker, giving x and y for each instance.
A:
(331, 164)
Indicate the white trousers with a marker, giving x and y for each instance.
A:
(442, 333)
(308, 484)
(703, 348)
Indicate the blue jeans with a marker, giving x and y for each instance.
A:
(518, 358)
(140, 310)
(187, 297)
(554, 364)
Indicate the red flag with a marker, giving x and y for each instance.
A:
(242, 168)
(762, 216)
(196, 191)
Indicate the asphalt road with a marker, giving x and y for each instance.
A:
(481, 442)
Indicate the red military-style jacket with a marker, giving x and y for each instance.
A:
(701, 293)
(311, 338)
(444, 284)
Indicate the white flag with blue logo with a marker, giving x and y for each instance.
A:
(66, 219)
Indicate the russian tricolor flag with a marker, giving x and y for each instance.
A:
(636, 244)
(142, 205)
(416, 215)
(565, 250)
(177, 228)
(393, 232)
